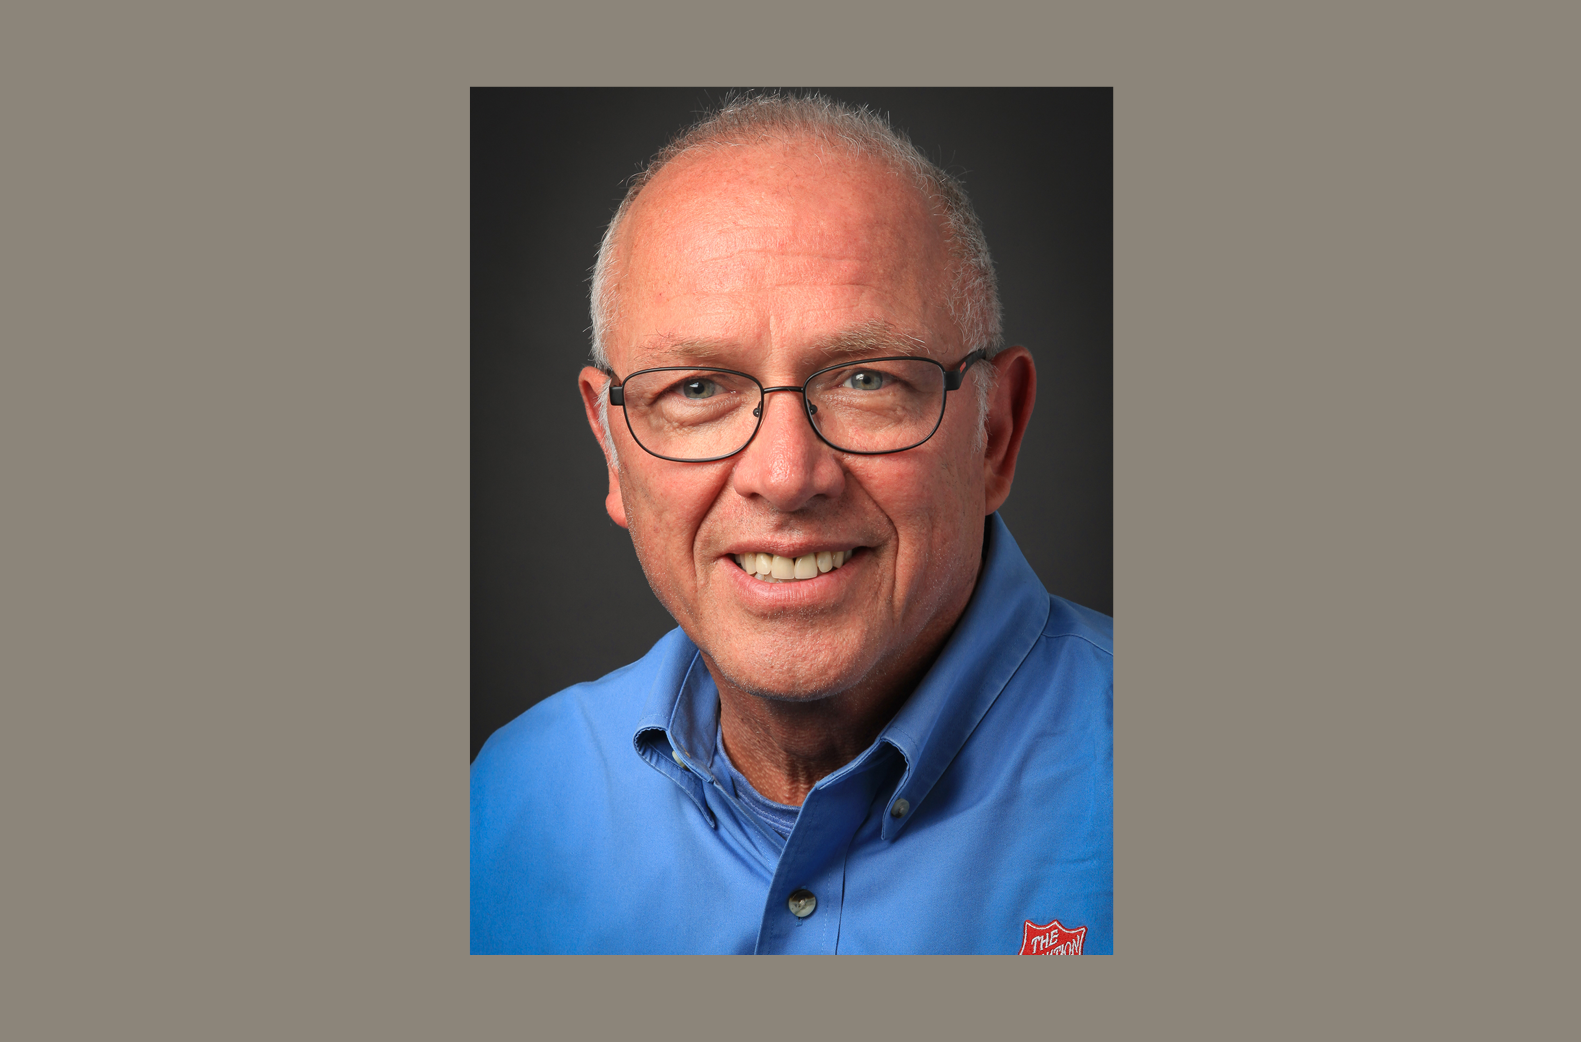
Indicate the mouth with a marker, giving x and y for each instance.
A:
(772, 568)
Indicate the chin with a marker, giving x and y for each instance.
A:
(793, 685)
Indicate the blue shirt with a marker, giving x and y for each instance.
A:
(981, 815)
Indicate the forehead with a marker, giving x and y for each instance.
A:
(780, 248)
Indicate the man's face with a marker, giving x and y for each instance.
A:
(768, 260)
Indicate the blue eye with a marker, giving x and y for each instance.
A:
(699, 389)
(865, 380)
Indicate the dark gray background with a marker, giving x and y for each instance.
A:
(557, 595)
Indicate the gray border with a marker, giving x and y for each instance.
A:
(233, 407)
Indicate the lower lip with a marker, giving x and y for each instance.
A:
(801, 592)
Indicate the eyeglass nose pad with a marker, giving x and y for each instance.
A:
(757, 411)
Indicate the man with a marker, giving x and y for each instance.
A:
(873, 730)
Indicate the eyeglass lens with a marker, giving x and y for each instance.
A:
(868, 407)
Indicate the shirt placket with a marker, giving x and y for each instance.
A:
(806, 898)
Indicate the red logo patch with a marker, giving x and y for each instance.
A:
(1052, 939)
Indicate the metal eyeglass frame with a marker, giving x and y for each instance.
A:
(953, 375)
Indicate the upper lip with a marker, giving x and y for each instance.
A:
(799, 548)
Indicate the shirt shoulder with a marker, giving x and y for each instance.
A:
(586, 725)
(1071, 670)
(579, 711)
(1071, 620)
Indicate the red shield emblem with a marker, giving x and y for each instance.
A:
(1052, 939)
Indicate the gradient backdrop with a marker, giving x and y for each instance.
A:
(557, 595)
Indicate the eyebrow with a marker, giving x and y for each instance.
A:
(867, 340)
(871, 338)
(665, 348)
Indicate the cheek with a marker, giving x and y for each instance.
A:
(933, 503)
(663, 512)
(946, 474)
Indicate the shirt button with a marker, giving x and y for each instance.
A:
(677, 758)
(899, 809)
(801, 903)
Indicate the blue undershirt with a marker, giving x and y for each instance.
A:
(781, 817)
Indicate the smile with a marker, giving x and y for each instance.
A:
(773, 568)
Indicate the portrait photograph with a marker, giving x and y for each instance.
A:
(742, 467)
(791, 538)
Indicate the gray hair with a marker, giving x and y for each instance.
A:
(973, 301)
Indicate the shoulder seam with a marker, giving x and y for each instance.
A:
(1078, 636)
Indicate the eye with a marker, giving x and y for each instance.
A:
(865, 380)
(699, 388)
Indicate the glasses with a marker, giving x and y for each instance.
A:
(691, 414)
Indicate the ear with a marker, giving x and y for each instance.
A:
(592, 381)
(1009, 409)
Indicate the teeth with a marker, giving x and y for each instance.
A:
(774, 568)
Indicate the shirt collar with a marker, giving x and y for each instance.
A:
(1007, 611)
(682, 702)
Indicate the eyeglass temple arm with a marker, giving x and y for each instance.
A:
(953, 377)
(617, 391)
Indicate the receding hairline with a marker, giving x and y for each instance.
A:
(832, 129)
(664, 180)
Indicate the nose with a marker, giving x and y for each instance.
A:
(785, 462)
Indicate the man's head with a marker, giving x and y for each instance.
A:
(778, 238)
(837, 131)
